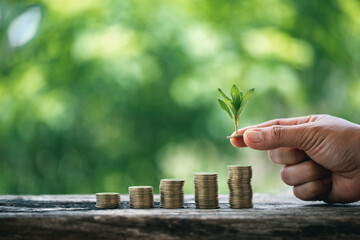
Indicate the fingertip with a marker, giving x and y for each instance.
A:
(238, 142)
(285, 176)
(253, 138)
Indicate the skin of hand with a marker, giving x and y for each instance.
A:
(320, 154)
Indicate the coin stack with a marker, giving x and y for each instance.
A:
(172, 193)
(107, 200)
(206, 190)
(239, 183)
(141, 197)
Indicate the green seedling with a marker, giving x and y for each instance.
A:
(235, 106)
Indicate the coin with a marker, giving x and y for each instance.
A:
(171, 193)
(206, 190)
(239, 183)
(107, 200)
(141, 197)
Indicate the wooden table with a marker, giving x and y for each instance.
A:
(273, 217)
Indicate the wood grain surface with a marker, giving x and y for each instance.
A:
(273, 217)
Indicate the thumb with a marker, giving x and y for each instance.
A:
(275, 136)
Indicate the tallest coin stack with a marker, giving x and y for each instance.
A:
(240, 190)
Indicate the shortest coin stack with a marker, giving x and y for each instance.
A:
(240, 189)
(172, 193)
(107, 200)
(206, 190)
(141, 197)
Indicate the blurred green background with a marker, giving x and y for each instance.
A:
(100, 95)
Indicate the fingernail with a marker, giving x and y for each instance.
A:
(254, 136)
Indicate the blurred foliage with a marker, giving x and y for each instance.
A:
(100, 95)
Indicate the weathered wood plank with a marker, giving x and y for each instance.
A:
(273, 217)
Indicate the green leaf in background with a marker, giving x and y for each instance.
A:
(225, 107)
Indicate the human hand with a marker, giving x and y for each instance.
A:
(321, 154)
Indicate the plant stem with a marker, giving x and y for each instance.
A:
(236, 127)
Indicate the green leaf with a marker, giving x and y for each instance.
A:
(244, 101)
(237, 104)
(225, 107)
(228, 101)
(248, 94)
(241, 98)
(223, 94)
(236, 99)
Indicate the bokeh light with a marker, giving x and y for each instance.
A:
(100, 95)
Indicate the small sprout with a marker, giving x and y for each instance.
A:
(236, 104)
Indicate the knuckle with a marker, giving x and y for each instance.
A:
(277, 130)
(314, 128)
(315, 117)
(311, 136)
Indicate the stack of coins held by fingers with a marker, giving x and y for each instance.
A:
(107, 200)
(206, 190)
(240, 190)
(172, 193)
(141, 197)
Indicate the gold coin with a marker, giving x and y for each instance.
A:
(240, 189)
(171, 193)
(141, 197)
(107, 200)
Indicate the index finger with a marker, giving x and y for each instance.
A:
(239, 141)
